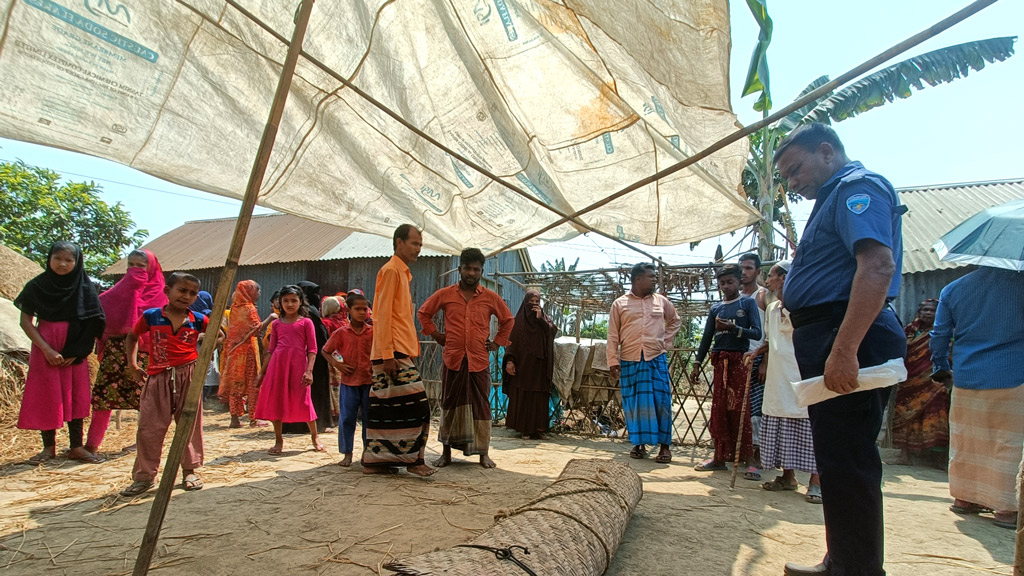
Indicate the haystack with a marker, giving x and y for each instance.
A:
(15, 271)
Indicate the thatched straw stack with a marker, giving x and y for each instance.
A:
(15, 271)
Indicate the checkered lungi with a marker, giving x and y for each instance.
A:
(786, 443)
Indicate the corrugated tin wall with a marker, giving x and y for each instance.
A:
(918, 286)
(428, 274)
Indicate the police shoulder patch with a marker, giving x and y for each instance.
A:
(858, 203)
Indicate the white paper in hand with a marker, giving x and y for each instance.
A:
(812, 390)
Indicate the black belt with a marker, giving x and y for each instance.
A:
(824, 312)
(398, 356)
(818, 313)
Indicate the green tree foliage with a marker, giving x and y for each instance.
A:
(37, 209)
(597, 330)
(877, 89)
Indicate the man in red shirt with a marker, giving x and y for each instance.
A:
(465, 378)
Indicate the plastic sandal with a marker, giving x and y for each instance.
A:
(136, 489)
(813, 494)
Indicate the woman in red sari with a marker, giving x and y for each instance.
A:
(920, 422)
(241, 363)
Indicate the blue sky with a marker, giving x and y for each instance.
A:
(965, 131)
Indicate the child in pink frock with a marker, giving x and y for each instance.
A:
(285, 379)
(62, 315)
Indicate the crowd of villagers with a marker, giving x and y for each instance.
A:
(306, 367)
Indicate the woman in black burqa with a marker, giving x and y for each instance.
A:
(528, 368)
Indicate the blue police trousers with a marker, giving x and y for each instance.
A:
(845, 430)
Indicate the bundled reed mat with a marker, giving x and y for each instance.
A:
(572, 529)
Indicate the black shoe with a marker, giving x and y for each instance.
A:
(801, 570)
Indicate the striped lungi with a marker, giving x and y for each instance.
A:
(399, 417)
(986, 429)
(787, 443)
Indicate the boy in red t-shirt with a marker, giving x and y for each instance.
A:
(352, 341)
(174, 333)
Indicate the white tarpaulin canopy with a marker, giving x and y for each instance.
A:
(569, 101)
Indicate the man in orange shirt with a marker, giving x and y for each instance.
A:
(466, 378)
(399, 417)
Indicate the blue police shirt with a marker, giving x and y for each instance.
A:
(855, 204)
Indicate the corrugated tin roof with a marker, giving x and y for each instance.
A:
(935, 210)
(272, 238)
(363, 245)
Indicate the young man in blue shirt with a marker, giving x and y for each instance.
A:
(846, 269)
(732, 324)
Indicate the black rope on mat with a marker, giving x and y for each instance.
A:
(504, 554)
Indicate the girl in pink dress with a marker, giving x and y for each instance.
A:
(285, 379)
(68, 319)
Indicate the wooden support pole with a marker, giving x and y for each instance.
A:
(185, 425)
(812, 96)
(1018, 557)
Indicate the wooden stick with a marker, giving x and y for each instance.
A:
(1018, 557)
(823, 90)
(187, 421)
(743, 420)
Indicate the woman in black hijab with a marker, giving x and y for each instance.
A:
(320, 390)
(528, 367)
(69, 319)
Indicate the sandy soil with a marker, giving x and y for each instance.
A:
(299, 513)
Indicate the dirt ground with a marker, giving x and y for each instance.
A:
(299, 513)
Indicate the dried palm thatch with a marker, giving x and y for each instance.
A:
(572, 529)
(15, 271)
(13, 369)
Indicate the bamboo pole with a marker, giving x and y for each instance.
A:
(823, 90)
(187, 421)
(1018, 557)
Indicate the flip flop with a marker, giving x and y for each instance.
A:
(709, 466)
(1004, 520)
(663, 458)
(192, 482)
(43, 456)
(752, 473)
(91, 459)
(639, 451)
(138, 487)
(969, 510)
(813, 494)
(778, 485)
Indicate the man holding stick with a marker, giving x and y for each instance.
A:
(731, 325)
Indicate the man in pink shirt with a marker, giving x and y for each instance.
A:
(641, 328)
(465, 378)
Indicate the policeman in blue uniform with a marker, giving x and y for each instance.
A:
(845, 271)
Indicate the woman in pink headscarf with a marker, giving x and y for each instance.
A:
(141, 288)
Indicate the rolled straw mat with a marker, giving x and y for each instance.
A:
(572, 529)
